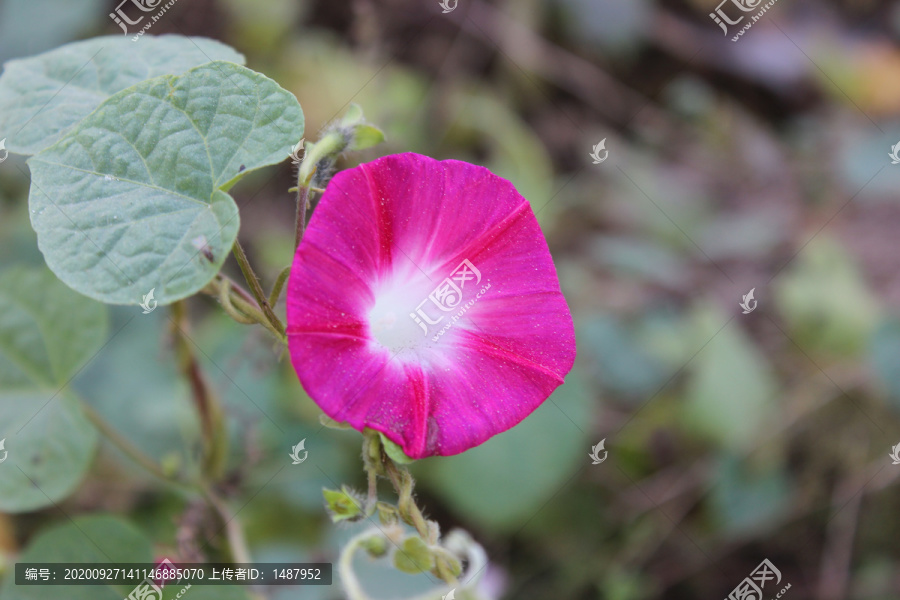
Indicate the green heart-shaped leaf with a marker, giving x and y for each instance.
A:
(96, 538)
(43, 97)
(47, 331)
(132, 200)
(50, 445)
(731, 389)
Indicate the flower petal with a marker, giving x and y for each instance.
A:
(423, 303)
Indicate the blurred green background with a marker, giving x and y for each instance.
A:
(732, 438)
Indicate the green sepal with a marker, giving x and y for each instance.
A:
(342, 505)
(413, 556)
(394, 451)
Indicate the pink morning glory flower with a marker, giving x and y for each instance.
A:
(423, 303)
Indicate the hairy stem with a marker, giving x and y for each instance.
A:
(409, 511)
(371, 452)
(279, 285)
(332, 144)
(300, 217)
(352, 587)
(372, 497)
(324, 151)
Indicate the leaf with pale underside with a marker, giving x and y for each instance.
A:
(43, 97)
(132, 198)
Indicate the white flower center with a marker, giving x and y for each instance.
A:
(393, 318)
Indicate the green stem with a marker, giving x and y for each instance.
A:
(245, 317)
(409, 511)
(234, 530)
(300, 217)
(237, 541)
(215, 436)
(244, 294)
(444, 571)
(354, 590)
(240, 307)
(371, 461)
(279, 285)
(372, 498)
(255, 287)
(351, 584)
(127, 448)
